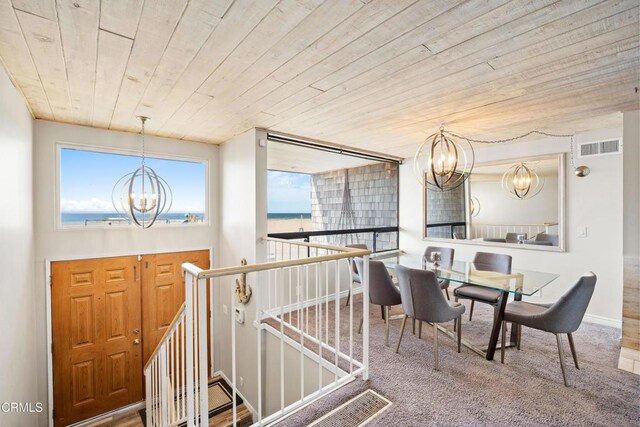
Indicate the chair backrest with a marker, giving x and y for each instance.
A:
(515, 237)
(421, 295)
(544, 237)
(489, 261)
(356, 246)
(382, 291)
(565, 315)
(446, 254)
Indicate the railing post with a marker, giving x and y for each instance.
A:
(203, 365)
(365, 318)
(375, 241)
(191, 416)
(164, 387)
(147, 381)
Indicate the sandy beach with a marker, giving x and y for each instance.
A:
(288, 225)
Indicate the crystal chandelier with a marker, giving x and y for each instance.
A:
(142, 194)
(520, 181)
(449, 161)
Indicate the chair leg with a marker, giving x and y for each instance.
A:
(348, 298)
(519, 336)
(561, 354)
(573, 351)
(420, 329)
(446, 291)
(435, 344)
(360, 328)
(459, 322)
(386, 331)
(382, 311)
(414, 325)
(471, 311)
(504, 340)
(404, 322)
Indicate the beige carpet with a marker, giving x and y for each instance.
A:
(471, 391)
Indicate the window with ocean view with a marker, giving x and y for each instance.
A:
(289, 201)
(87, 180)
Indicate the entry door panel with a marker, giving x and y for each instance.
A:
(96, 323)
(163, 292)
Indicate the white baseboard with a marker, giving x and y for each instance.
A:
(600, 320)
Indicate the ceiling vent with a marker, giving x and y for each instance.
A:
(600, 148)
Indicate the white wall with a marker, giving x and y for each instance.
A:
(243, 222)
(17, 324)
(594, 202)
(54, 244)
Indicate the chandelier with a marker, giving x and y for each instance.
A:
(520, 181)
(449, 161)
(142, 194)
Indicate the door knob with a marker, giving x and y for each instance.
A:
(136, 331)
(136, 342)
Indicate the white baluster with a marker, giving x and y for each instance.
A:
(202, 347)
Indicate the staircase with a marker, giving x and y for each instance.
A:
(303, 279)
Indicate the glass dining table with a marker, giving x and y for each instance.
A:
(515, 282)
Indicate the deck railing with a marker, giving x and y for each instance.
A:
(298, 296)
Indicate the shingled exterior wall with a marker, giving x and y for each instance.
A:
(374, 202)
(443, 207)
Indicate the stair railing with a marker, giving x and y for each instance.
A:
(177, 373)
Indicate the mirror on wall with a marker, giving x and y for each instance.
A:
(508, 202)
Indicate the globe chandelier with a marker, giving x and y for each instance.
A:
(521, 182)
(450, 160)
(142, 195)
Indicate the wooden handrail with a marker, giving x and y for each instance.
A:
(244, 269)
(229, 271)
(166, 334)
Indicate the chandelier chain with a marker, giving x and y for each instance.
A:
(143, 120)
(515, 138)
(500, 141)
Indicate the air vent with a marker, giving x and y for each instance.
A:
(600, 148)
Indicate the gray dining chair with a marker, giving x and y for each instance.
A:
(446, 258)
(486, 261)
(562, 317)
(355, 277)
(422, 299)
(515, 237)
(382, 291)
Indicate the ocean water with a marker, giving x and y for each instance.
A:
(272, 215)
(80, 218)
(96, 217)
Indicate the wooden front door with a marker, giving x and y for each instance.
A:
(96, 325)
(163, 292)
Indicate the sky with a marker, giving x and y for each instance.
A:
(87, 179)
(288, 192)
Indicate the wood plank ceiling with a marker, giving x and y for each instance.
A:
(375, 74)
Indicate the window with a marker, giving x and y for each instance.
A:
(289, 201)
(87, 180)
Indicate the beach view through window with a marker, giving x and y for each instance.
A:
(87, 179)
(288, 201)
